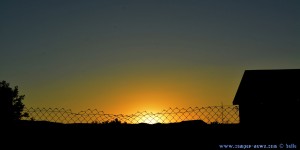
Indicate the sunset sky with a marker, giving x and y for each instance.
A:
(124, 56)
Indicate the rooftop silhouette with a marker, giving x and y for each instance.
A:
(269, 97)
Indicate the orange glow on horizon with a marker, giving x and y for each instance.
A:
(147, 100)
(132, 92)
(152, 94)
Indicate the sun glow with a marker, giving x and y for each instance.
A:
(148, 92)
(150, 118)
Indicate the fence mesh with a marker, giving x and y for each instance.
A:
(211, 114)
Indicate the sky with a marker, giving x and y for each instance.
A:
(144, 55)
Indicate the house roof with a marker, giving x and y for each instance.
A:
(269, 86)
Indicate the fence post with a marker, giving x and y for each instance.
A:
(222, 113)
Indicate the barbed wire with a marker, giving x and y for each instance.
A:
(211, 114)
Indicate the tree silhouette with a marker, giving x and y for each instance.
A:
(11, 106)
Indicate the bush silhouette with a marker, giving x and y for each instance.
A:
(11, 105)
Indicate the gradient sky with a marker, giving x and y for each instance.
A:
(128, 56)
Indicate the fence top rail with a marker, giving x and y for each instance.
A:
(170, 110)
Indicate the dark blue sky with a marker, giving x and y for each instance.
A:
(76, 54)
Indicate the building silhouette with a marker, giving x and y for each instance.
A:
(269, 97)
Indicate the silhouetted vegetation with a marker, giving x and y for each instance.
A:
(11, 103)
(113, 122)
(215, 122)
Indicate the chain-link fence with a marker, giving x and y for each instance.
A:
(211, 114)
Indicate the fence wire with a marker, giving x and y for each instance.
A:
(211, 114)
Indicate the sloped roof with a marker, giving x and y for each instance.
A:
(269, 86)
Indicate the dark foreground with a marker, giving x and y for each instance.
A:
(186, 135)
